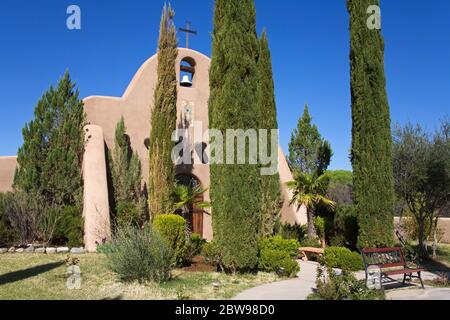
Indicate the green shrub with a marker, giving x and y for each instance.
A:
(272, 260)
(276, 253)
(345, 227)
(173, 228)
(106, 248)
(319, 224)
(7, 234)
(311, 243)
(331, 286)
(342, 258)
(195, 245)
(69, 227)
(290, 247)
(297, 232)
(24, 212)
(141, 255)
(212, 254)
(128, 214)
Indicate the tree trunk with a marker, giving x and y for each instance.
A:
(311, 229)
(423, 252)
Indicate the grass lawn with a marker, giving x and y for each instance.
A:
(443, 254)
(43, 277)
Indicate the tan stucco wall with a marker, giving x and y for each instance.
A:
(135, 106)
(96, 213)
(7, 169)
(289, 214)
(103, 114)
(444, 225)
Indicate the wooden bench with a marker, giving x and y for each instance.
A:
(391, 262)
(308, 250)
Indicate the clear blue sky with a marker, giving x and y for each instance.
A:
(309, 42)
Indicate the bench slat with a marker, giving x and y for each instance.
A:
(312, 250)
(403, 271)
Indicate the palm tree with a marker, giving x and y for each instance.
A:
(309, 191)
(188, 197)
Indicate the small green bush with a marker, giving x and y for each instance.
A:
(106, 248)
(212, 254)
(276, 253)
(311, 243)
(342, 258)
(128, 214)
(287, 231)
(7, 234)
(173, 228)
(290, 247)
(345, 227)
(319, 224)
(195, 245)
(272, 260)
(141, 255)
(331, 286)
(69, 227)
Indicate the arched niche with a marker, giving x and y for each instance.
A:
(187, 72)
(194, 217)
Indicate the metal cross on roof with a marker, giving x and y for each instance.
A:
(188, 31)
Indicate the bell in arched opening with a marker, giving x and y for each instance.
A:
(186, 82)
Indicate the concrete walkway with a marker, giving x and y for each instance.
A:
(302, 286)
(295, 289)
(419, 294)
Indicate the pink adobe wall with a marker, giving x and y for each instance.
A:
(135, 106)
(96, 213)
(7, 169)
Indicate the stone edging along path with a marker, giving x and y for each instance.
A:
(42, 250)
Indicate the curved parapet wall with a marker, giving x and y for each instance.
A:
(136, 107)
(97, 224)
(7, 170)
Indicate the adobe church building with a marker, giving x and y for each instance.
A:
(103, 114)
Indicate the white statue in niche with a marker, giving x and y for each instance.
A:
(188, 114)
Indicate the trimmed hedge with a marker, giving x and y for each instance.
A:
(276, 253)
(289, 246)
(311, 242)
(272, 260)
(173, 228)
(342, 258)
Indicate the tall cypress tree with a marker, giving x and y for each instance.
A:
(372, 140)
(49, 162)
(235, 189)
(125, 168)
(163, 123)
(271, 193)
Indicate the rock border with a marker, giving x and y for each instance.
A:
(31, 249)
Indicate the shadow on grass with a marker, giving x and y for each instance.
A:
(434, 266)
(28, 273)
